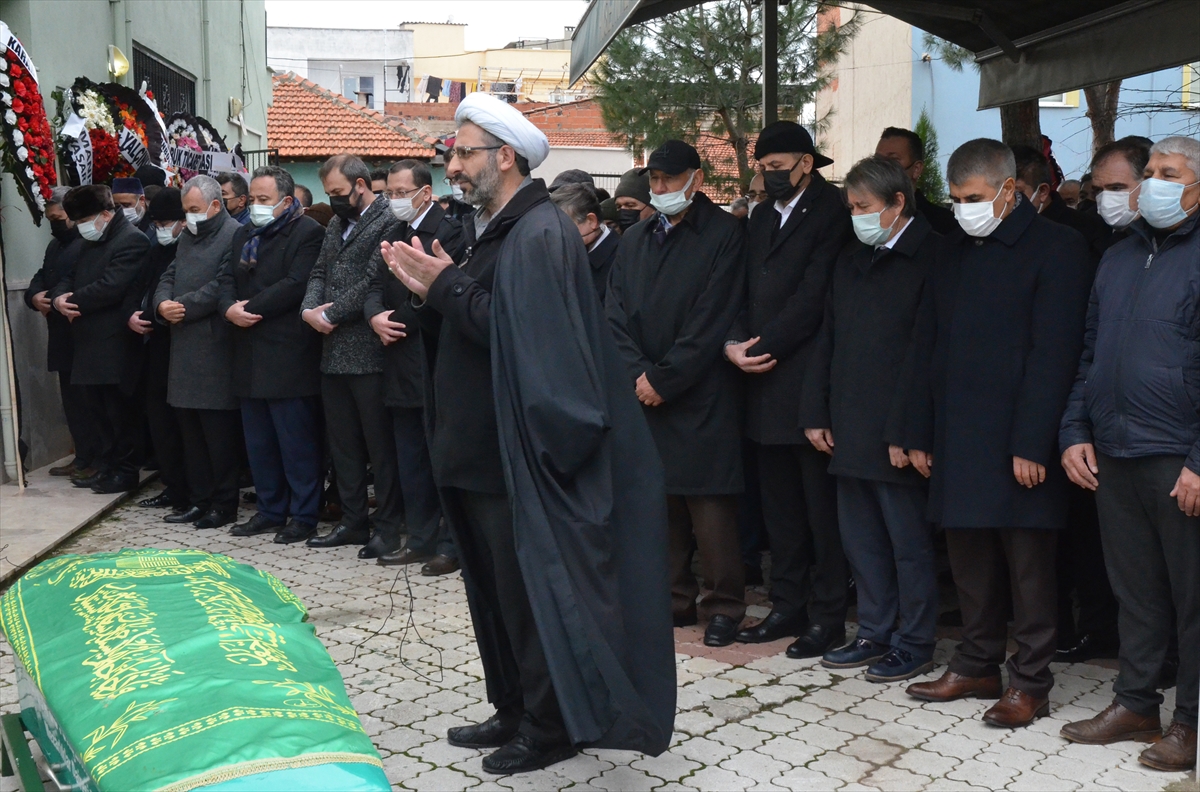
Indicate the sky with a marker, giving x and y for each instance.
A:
(490, 23)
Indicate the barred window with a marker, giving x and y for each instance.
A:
(173, 90)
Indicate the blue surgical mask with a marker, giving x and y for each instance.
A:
(1160, 202)
(673, 203)
(870, 230)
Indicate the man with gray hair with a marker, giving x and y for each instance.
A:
(580, 203)
(1000, 327)
(1131, 433)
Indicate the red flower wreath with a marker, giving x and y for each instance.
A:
(106, 157)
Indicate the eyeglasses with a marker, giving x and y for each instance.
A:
(756, 196)
(462, 152)
(402, 193)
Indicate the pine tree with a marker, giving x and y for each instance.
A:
(931, 184)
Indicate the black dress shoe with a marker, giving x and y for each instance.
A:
(162, 500)
(721, 630)
(296, 532)
(375, 548)
(439, 565)
(492, 733)
(402, 557)
(215, 519)
(817, 640)
(189, 515)
(116, 483)
(1089, 647)
(86, 482)
(774, 627)
(342, 534)
(522, 754)
(257, 524)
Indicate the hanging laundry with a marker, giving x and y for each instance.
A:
(403, 74)
(457, 91)
(433, 89)
(446, 89)
(421, 88)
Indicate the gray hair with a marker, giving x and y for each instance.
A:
(578, 201)
(1188, 148)
(739, 203)
(984, 157)
(210, 188)
(882, 178)
(57, 194)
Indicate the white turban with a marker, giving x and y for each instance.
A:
(505, 122)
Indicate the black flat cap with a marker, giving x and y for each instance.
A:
(788, 137)
(167, 205)
(673, 157)
(572, 176)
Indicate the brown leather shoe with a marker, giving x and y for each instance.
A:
(1115, 724)
(1016, 708)
(1175, 752)
(63, 470)
(954, 686)
(439, 565)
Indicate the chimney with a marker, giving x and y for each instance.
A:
(568, 31)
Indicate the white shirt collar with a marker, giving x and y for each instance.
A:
(421, 217)
(603, 233)
(790, 205)
(891, 243)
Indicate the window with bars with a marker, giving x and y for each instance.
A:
(173, 90)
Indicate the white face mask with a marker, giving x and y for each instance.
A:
(1113, 207)
(89, 231)
(870, 230)
(1159, 202)
(673, 203)
(261, 214)
(750, 207)
(456, 191)
(403, 208)
(194, 219)
(978, 219)
(166, 236)
(133, 214)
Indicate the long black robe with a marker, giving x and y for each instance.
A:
(585, 484)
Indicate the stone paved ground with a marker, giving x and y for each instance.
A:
(747, 719)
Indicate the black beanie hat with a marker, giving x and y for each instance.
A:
(167, 205)
(151, 175)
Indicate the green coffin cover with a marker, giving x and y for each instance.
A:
(178, 669)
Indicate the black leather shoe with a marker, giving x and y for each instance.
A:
(257, 524)
(1089, 647)
(86, 482)
(439, 565)
(342, 534)
(375, 548)
(522, 754)
(215, 519)
(817, 640)
(189, 515)
(162, 500)
(402, 557)
(774, 627)
(721, 630)
(492, 733)
(296, 532)
(116, 484)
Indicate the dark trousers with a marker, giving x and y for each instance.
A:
(283, 441)
(79, 421)
(496, 577)
(1081, 572)
(427, 531)
(360, 433)
(115, 419)
(707, 523)
(163, 423)
(1153, 554)
(751, 528)
(808, 568)
(889, 545)
(212, 443)
(988, 564)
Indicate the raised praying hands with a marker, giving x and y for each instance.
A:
(415, 268)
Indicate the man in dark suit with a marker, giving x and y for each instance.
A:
(92, 298)
(906, 147)
(389, 309)
(58, 262)
(276, 356)
(1002, 325)
(792, 244)
(583, 207)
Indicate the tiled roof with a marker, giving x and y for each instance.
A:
(306, 121)
(722, 183)
(575, 138)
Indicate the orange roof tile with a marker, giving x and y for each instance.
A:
(722, 184)
(306, 121)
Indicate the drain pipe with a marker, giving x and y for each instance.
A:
(8, 393)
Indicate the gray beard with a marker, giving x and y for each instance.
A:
(486, 185)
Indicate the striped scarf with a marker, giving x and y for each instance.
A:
(257, 235)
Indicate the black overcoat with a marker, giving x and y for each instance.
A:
(586, 488)
(861, 366)
(1003, 323)
(601, 259)
(103, 275)
(671, 306)
(57, 263)
(279, 357)
(787, 281)
(149, 355)
(402, 377)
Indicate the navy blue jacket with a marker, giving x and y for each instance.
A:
(1137, 392)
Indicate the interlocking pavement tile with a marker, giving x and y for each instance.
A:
(850, 723)
(802, 779)
(1030, 781)
(901, 734)
(717, 778)
(441, 779)
(739, 736)
(840, 766)
(758, 768)
(952, 785)
(927, 763)
(584, 766)
(1008, 755)
(399, 768)
(871, 750)
(670, 766)
(985, 774)
(954, 745)
(803, 711)
(704, 750)
(697, 722)
(792, 752)
(1144, 779)
(625, 779)
(895, 778)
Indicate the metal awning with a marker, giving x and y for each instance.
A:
(1026, 48)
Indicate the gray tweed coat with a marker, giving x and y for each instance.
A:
(342, 276)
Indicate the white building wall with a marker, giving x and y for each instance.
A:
(592, 160)
(330, 57)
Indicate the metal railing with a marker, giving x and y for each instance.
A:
(256, 158)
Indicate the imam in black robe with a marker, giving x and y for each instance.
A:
(579, 468)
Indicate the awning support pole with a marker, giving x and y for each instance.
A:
(770, 72)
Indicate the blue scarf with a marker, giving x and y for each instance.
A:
(258, 234)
